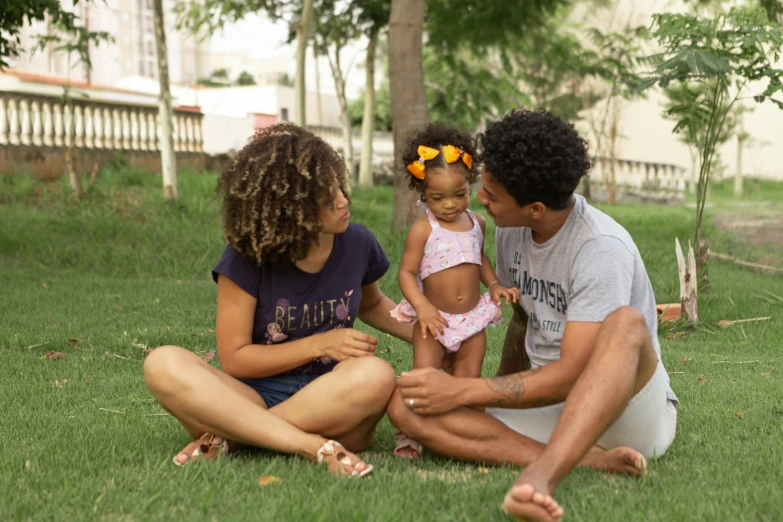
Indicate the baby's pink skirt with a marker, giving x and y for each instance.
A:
(461, 326)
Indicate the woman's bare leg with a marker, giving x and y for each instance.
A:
(204, 399)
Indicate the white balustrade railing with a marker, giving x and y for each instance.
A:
(44, 121)
(639, 176)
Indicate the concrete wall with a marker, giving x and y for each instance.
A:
(48, 163)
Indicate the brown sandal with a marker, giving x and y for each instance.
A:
(208, 447)
(333, 448)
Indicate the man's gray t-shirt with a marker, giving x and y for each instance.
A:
(589, 269)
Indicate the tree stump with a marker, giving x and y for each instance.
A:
(688, 282)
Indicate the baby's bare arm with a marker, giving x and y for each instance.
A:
(411, 259)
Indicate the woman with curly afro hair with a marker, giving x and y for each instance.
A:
(580, 380)
(296, 273)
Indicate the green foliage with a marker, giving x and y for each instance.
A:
(66, 34)
(245, 78)
(461, 91)
(683, 101)
(712, 61)
(551, 65)
(450, 24)
(218, 78)
(17, 13)
(383, 118)
(70, 37)
(774, 9)
(207, 17)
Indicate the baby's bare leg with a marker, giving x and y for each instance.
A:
(427, 353)
(470, 356)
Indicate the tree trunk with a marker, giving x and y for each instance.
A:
(408, 96)
(319, 110)
(302, 37)
(168, 161)
(368, 119)
(738, 172)
(692, 182)
(688, 278)
(611, 185)
(345, 119)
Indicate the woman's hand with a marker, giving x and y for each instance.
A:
(344, 343)
(498, 292)
(430, 319)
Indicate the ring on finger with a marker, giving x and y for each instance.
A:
(410, 402)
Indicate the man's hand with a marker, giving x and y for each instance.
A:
(432, 391)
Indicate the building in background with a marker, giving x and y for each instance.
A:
(130, 22)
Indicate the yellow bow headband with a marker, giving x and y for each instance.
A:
(451, 154)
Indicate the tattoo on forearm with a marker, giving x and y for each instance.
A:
(514, 358)
(509, 389)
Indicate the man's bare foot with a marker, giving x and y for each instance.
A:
(530, 498)
(616, 460)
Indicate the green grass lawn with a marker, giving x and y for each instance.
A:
(125, 269)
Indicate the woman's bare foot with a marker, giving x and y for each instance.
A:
(530, 498)
(616, 460)
(341, 462)
(207, 447)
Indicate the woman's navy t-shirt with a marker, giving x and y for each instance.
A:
(293, 304)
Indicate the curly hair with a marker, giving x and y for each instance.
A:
(436, 135)
(274, 191)
(536, 156)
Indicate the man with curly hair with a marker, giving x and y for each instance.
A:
(581, 379)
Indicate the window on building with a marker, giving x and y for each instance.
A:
(284, 114)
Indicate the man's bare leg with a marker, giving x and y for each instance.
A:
(622, 363)
(474, 436)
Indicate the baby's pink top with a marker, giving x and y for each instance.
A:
(446, 248)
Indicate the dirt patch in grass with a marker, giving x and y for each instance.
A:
(764, 233)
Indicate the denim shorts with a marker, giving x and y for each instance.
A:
(275, 390)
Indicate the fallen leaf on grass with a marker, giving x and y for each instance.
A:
(59, 383)
(383, 350)
(54, 355)
(485, 471)
(208, 356)
(267, 479)
(137, 345)
(210, 330)
(73, 342)
(684, 359)
(740, 414)
(700, 381)
(766, 374)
